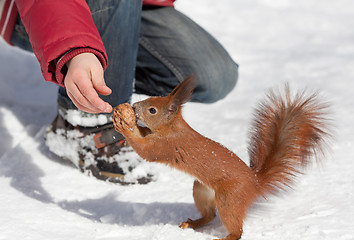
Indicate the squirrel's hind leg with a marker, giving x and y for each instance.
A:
(233, 201)
(204, 199)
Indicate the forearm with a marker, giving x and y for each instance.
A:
(57, 27)
(60, 65)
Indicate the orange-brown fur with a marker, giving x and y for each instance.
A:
(286, 133)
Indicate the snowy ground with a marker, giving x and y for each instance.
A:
(305, 42)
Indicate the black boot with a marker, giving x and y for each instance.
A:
(99, 151)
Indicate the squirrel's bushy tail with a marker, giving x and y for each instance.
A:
(286, 133)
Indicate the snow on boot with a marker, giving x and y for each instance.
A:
(97, 150)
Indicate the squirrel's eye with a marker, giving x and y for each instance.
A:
(152, 110)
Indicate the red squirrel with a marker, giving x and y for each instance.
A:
(285, 134)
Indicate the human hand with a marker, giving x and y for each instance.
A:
(84, 80)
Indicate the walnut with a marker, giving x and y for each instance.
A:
(123, 117)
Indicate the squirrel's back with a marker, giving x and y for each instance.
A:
(286, 132)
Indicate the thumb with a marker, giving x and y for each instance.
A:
(99, 83)
(103, 89)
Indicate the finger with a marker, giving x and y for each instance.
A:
(79, 106)
(72, 88)
(82, 107)
(103, 90)
(90, 94)
(99, 83)
(80, 100)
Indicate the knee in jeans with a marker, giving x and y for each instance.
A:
(214, 86)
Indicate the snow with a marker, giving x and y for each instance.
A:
(77, 117)
(307, 43)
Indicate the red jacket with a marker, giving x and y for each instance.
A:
(58, 31)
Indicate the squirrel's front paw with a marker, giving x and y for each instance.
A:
(123, 117)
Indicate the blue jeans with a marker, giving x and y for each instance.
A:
(157, 47)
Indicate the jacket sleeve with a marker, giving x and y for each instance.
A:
(59, 30)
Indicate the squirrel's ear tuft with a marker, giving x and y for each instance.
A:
(183, 92)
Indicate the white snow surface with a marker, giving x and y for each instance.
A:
(76, 117)
(308, 43)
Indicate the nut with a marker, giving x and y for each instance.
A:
(123, 117)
